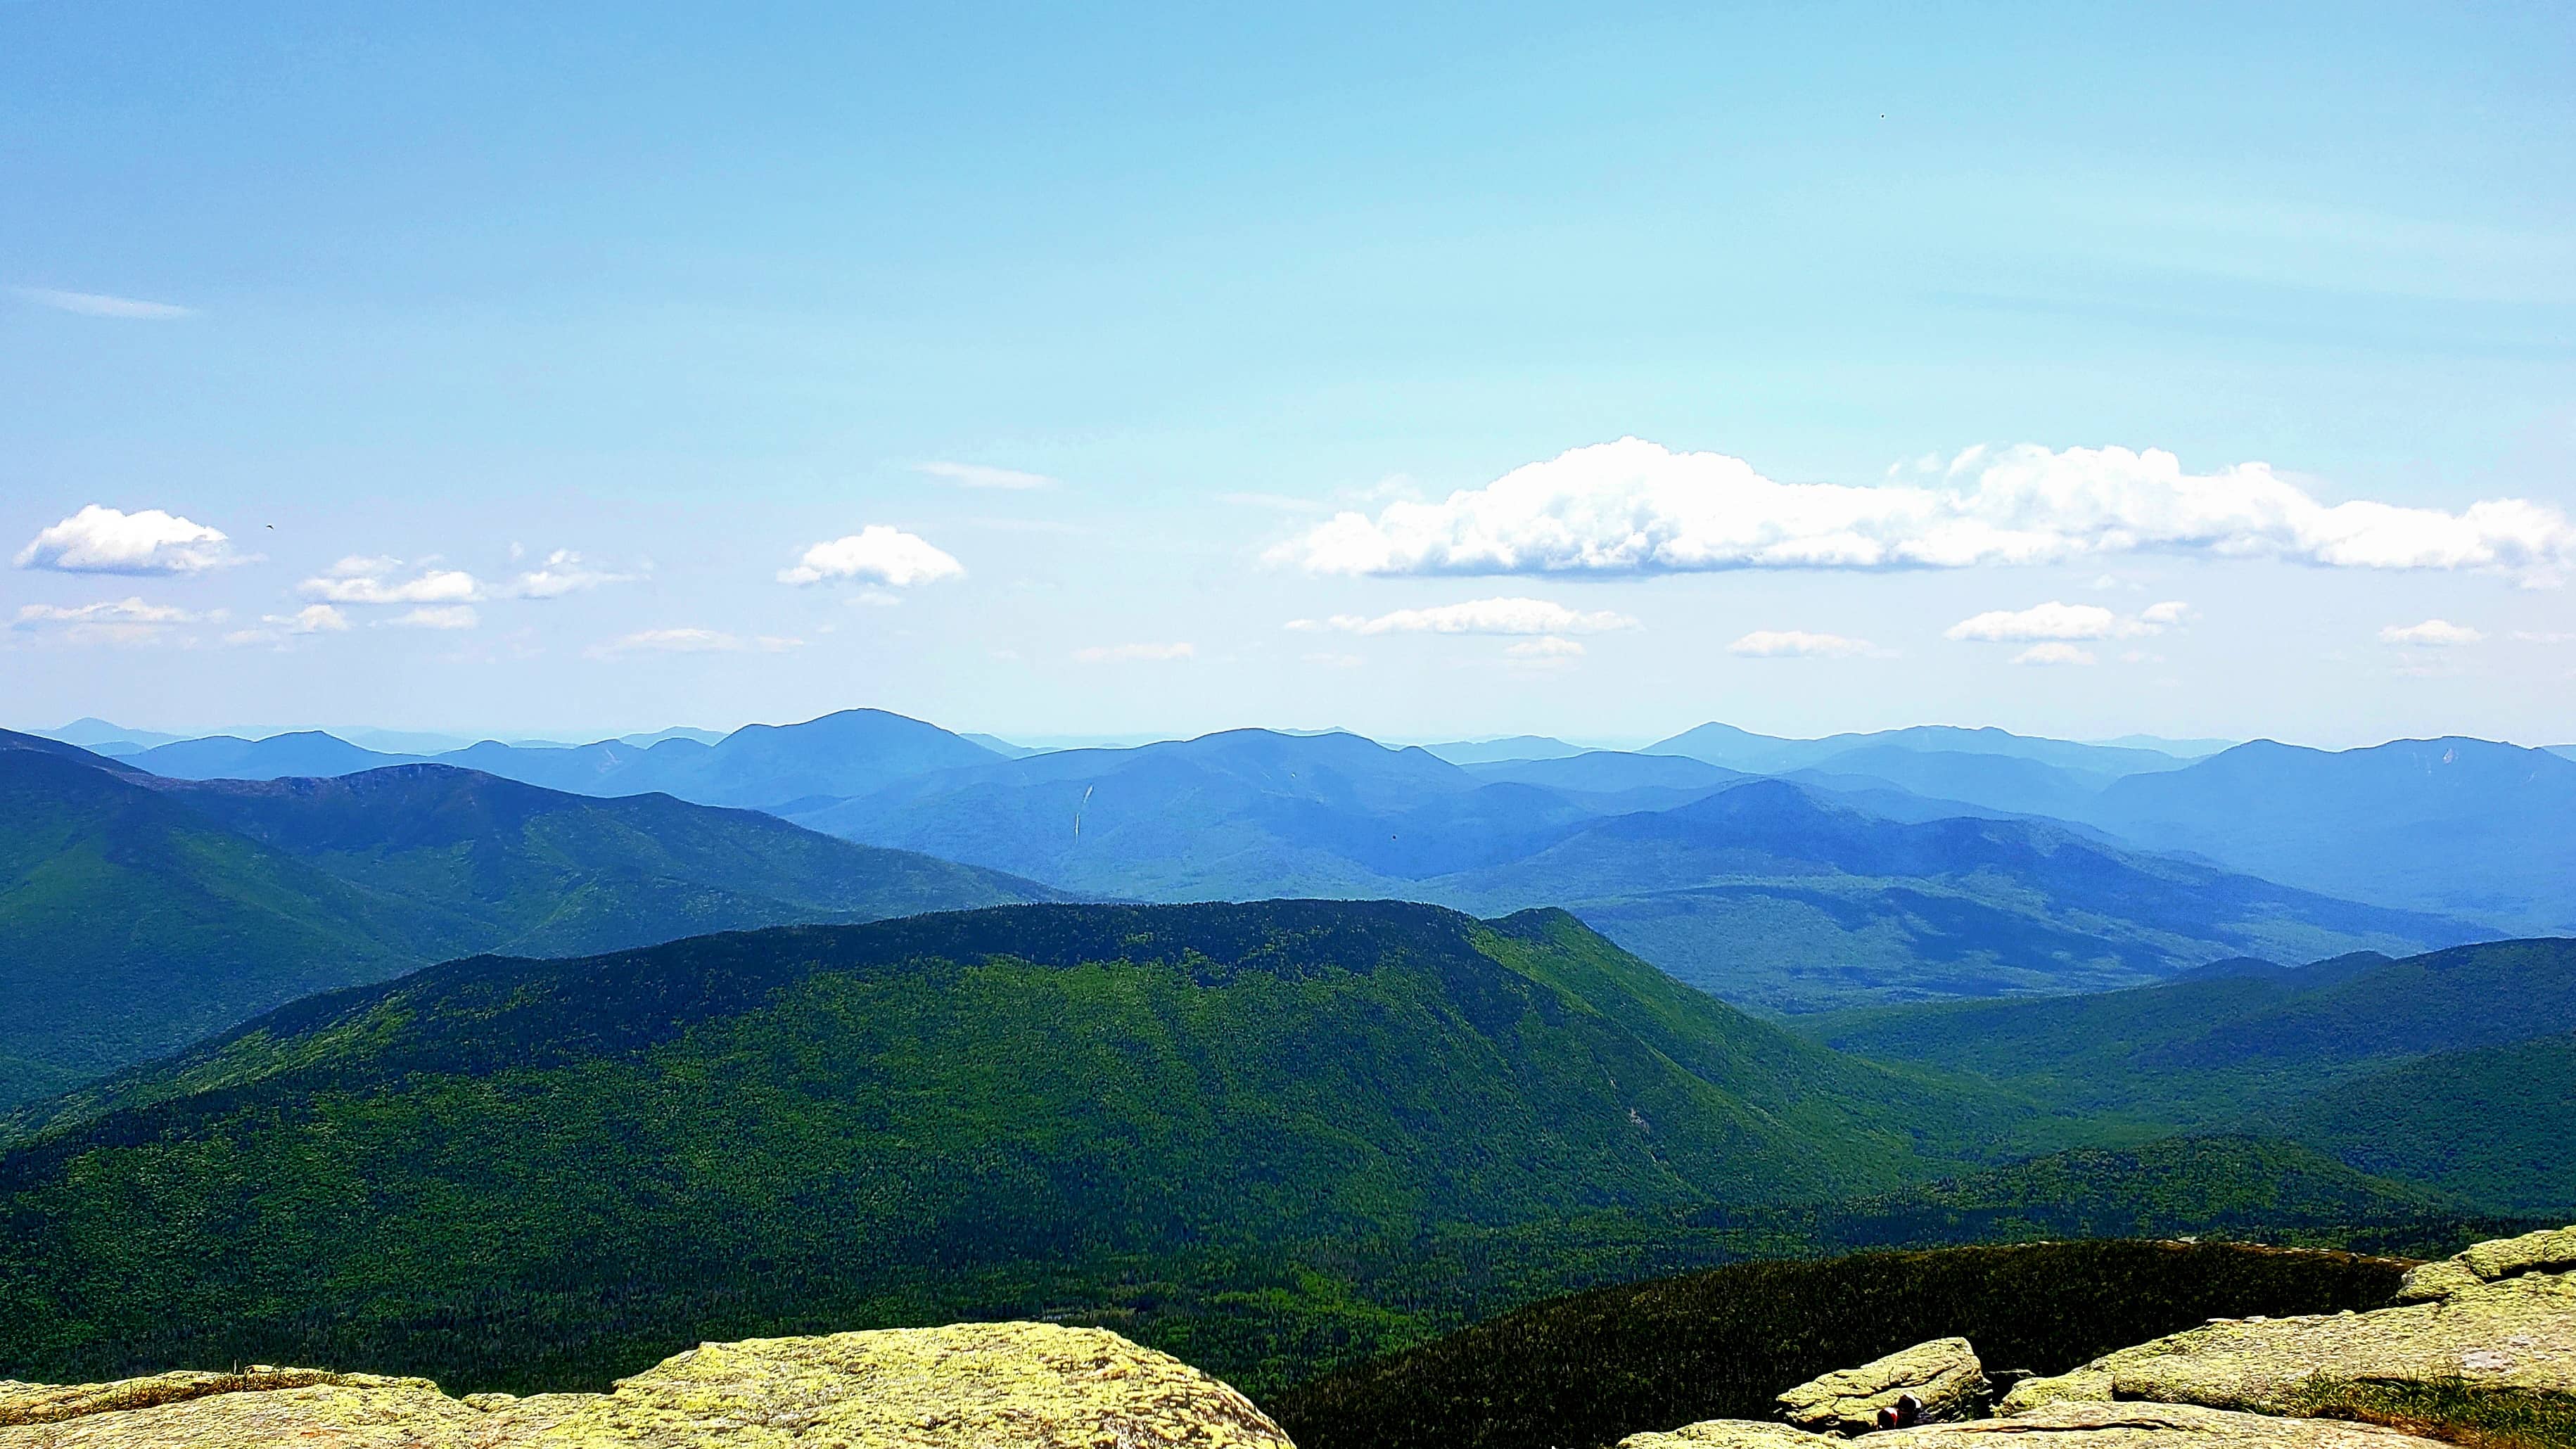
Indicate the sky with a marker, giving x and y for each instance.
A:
(1431, 372)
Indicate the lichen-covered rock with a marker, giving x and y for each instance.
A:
(2062, 1426)
(2510, 1326)
(1942, 1375)
(976, 1384)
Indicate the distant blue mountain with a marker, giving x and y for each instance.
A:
(278, 757)
(1736, 749)
(90, 732)
(1512, 747)
(2461, 826)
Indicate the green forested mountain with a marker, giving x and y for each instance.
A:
(2210, 1049)
(2488, 1124)
(137, 914)
(546, 1171)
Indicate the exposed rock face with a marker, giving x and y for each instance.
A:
(2495, 1317)
(976, 1384)
(2090, 1425)
(1943, 1376)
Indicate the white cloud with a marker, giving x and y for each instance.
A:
(2435, 633)
(1477, 616)
(437, 616)
(359, 580)
(99, 304)
(562, 573)
(876, 554)
(2056, 620)
(1550, 647)
(2054, 654)
(976, 475)
(115, 621)
(1635, 507)
(276, 628)
(873, 599)
(1798, 643)
(115, 611)
(101, 540)
(692, 641)
(1126, 653)
(2529, 636)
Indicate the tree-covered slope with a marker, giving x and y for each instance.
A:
(2489, 1124)
(130, 925)
(530, 871)
(592, 1161)
(137, 914)
(2211, 1049)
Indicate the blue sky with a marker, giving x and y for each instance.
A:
(1116, 313)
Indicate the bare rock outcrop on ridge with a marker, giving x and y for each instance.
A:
(973, 1384)
(1943, 1378)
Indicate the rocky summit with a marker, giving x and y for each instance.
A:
(2485, 1334)
(1028, 1385)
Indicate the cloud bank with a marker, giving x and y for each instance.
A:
(102, 540)
(2055, 620)
(1634, 507)
(876, 554)
(1477, 616)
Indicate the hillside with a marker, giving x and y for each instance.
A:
(2488, 1124)
(2208, 1050)
(2460, 826)
(231, 897)
(973, 1114)
(1768, 894)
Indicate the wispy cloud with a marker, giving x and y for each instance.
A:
(2050, 654)
(99, 304)
(437, 616)
(562, 573)
(692, 641)
(2055, 620)
(361, 580)
(103, 540)
(1546, 647)
(112, 621)
(977, 475)
(1799, 644)
(279, 628)
(1476, 616)
(2432, 633)
(1133, 653)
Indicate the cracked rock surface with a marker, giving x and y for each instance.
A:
(2063, 1425)
(2501, 1315)
(973, 1384)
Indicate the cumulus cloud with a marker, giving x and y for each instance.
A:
(1633, 507)
(1128, 653)
(2434, 633)
(2055, 620)
(2054, 654)
(562, 573)
(102, 540)
(437, 616)
(692, 641)
(1798, 644)
(99, 304)
(876, 554)
(976, 475)
(362, 579)
(1477, 616)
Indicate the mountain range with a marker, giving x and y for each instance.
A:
(138, 913)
